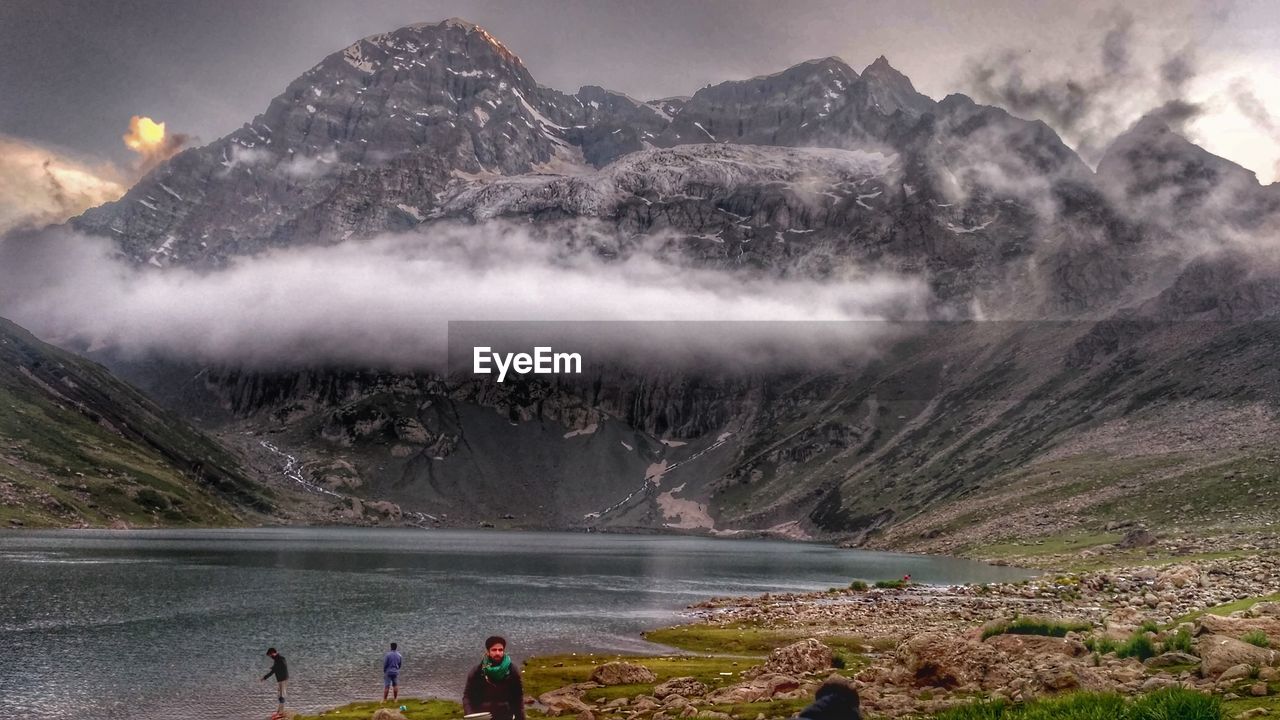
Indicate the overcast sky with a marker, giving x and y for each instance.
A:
(73, 72)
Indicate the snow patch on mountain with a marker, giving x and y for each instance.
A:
(672, 173)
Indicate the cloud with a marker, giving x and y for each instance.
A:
(1091, 99)
(302, 167)
(41, 186)
(1252, 107)
(153, 143)
(386, 302)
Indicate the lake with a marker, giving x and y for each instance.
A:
(174, 623)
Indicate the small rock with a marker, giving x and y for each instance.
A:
(1235, 672)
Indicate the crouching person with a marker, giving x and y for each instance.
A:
(837, 699)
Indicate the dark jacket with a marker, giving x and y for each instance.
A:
(504, 699)
(833, 702)
(278, 668)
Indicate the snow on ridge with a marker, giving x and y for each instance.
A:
(666, 173)
(411, 211)
(356, 57)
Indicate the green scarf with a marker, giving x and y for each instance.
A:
(496, 672)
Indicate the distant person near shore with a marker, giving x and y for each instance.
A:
(494, 686)
(280, 670)
(391, 673)
(836, 699)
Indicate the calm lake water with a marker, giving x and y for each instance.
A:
(162, 624)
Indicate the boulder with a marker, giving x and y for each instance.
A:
(1219, 652)
(686, 686)
(1057, 677)
(945, 661)
(387, 714)
(644, 703)
(764, 687)
(573, 690)
(1158, 682)
(1235, 672)
(383, 508)
(674, 701)
(1178, 576)
(798, 658)
(1037, 645)
(1236, 627)
(1171, 658)
(622, 673)
(1136, 538)
(558, 704)
(1269, 609)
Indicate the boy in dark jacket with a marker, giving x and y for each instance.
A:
(494, 686)
(281, 671)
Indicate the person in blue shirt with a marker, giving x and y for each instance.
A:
(391, 673)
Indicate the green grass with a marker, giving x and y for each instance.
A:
(744, 639)
(1171, 704)
(892, 584)
(1227, 608)
(417, 710)
(78, 445)
(858, 585)
(555, 671)
(1257, 637)
(1180, 641)
(1033, 626)
(1139, 645)
(1057, 545)
(1101, 644)
(735, 648)
(771, 709)
(1237, 706)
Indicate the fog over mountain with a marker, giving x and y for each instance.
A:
(295, 276)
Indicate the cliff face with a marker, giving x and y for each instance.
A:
(1082, 284)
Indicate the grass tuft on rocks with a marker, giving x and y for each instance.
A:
(1033, 626)
(1170, 704)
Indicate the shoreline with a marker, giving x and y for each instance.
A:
(918, 650)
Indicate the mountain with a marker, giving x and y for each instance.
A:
(79, 446)
(1098, 340)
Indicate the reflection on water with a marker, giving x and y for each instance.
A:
(152, 624)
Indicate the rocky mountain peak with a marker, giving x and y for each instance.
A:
(889, 91)
(1153, 164)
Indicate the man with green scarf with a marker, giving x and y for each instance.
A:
(494, 686)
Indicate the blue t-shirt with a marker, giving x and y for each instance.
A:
(391, 663)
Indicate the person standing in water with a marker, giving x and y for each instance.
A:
(281, 671)
(494, 686)
(391, 673)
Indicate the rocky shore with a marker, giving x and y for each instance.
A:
(1205, 626)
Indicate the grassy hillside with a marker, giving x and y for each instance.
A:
(78, 446)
